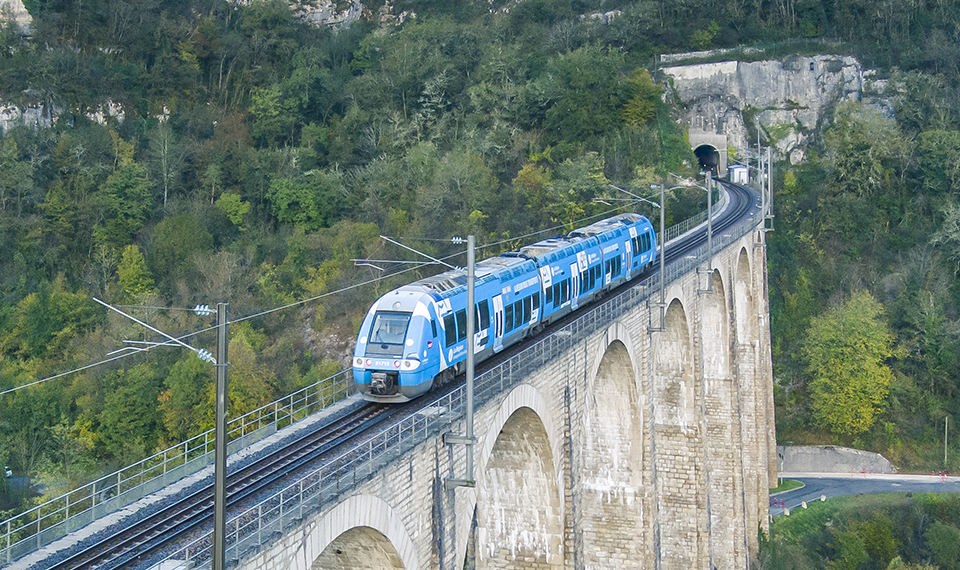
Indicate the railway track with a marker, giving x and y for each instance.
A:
(194, 510)
(191, 515)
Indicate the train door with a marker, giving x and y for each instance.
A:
(498, 323)
(546, 282)
(575, 285)
(636, 252)
(628, 255)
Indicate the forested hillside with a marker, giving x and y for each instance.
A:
(256, 156)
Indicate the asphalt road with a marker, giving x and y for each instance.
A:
(817, 485)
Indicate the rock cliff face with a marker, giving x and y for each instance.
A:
(14, 10)
(787, 98)
(329, 12)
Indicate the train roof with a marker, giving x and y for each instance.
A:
(606, 225)
(559, 243)
(509, 265)
(491, 268)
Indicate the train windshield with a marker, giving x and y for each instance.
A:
(387, 334)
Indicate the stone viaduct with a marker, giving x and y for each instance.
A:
(608, 444)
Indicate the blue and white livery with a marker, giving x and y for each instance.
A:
(415, 337)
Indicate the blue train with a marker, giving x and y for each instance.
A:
(415, 336)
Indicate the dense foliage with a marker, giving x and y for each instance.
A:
(864, 296)
(255, 157)
(867, 532)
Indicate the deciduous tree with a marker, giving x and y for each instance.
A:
(845, 350)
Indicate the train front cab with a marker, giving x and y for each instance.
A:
(397, 352)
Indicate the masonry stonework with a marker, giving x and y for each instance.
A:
(631, 449)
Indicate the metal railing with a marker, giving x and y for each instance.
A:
(339, 476)
(53, 519)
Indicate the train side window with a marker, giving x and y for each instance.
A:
(548, 298)
(527, 304)
(536, 301)
(433, 325)
(461, 324)
(484, 315)
(450, 324)
(557, 299)
(518, 313)
(565, 290)
(593, 277)
(508, 318)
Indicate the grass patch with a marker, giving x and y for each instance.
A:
(786, 485)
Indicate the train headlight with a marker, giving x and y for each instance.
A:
(358, 362)
(396, 364)
(411, 364)
(368, 362)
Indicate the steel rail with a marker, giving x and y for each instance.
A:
(193, 510)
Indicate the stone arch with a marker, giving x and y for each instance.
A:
(744, 305)
(611, 491)
(678, 443)
(360, 525)
(721, 428)
(519, 495)
(753, 424)
(675, 385)
(715, 325)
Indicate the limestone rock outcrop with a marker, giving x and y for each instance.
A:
(786, 98)
(15, 10)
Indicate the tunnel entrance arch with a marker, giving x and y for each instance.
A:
(708, 158)
(710, 150)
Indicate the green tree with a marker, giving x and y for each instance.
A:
(863, 150)
(183, 401)
(175, 241)
(131, 419)
(234, 207)
(310, 201)
(943, 543)
(643, 96)
(125, 198)
(16, 178)
(48, 321)
(133, 274)
(845, 350)
(879, 540)
(948, 236)
(582, 92)
(849, 550)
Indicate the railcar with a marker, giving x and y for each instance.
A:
(414, 337)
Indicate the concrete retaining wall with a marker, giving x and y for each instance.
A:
(831, 459)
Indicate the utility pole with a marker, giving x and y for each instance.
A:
(467, 439)
(946, 420)
(220, 441)
(220, 444)
(663, 251)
